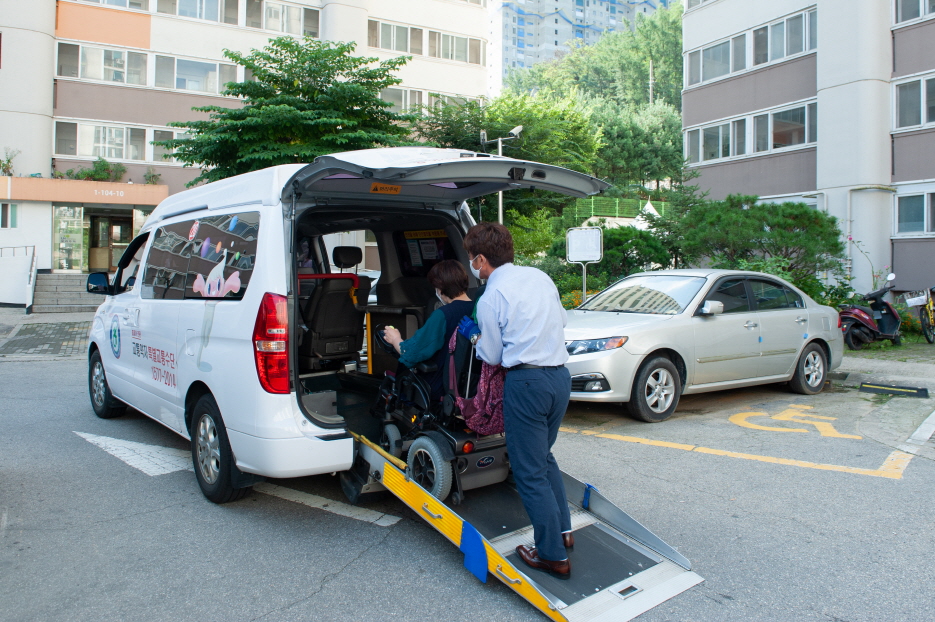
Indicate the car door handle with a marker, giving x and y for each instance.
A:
(801, 320)
(750, 325)
(189, 339)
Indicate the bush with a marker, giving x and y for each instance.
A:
(101, 170)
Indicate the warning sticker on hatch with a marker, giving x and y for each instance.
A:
(384, 188)
(434, 233)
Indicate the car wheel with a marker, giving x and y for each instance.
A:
(810, 371)
(105, 405)
(211, 453)
(428, 467)
(390, 441)
(656, 391)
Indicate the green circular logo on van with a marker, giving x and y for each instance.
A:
(115, 337)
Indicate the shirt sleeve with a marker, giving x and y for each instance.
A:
(425, 342)
(490, 344)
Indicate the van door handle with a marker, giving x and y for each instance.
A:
(801, 320)
(189, 338)
(750, 325)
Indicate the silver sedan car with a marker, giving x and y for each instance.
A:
(654, 336)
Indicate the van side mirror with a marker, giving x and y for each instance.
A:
(99, 283)
(711, 307)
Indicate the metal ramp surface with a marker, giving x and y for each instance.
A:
(620, 569)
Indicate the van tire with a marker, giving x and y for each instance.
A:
(211, 453)
(429, 468)
(105, 405)
(646, 402)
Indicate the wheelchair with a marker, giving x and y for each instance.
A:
(442, 454)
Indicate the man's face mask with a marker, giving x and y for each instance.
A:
(475, 271)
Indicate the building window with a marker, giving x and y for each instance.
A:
(911, 9)
(401, 99)
(910, 214)
(393, 37)
(715, 61)
(7, 216)
(66, 138)
(133, 4)
(90, 140)
(190, 75)
(211, 10)
(458, 48)
(760, 46)
(694, 68)
(99, 64)
(771, 131)
(739, 51)
(915, 102)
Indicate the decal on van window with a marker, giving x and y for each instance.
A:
(418, 251)
(384, 188)
(115, 336)
(222, 260)
(433, 233)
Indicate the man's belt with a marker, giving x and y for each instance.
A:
(528, 366)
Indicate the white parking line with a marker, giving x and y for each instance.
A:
(921, 436)
(321, 503)
(155, 460)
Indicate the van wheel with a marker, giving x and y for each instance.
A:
(390, 440)
(105, 405)
(810, 371)
(428, 467)
(211, 453)
(656, 391)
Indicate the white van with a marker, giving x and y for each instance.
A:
(230, 323)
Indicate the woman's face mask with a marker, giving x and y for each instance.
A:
(439, 295)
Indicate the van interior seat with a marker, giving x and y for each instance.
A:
(335, 324)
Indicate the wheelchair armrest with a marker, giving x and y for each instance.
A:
(426, 368)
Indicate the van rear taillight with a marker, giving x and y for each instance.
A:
(270, 344)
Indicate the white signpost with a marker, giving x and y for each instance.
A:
(584, 245)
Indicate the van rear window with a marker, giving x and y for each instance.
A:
(418, 251)
(206, 258)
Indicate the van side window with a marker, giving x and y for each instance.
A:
(223, 254)
(167, 263)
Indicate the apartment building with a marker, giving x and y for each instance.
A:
(828, 102)
(526, 32)
(82, 79)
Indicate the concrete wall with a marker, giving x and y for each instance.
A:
(15, 271)
(712, 21)
(770, 86)
(912, 263)
(33, 227)
(914, 156)
(776, 174)
(914, 49)
(25, 84)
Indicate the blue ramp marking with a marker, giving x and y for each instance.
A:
(475, 554)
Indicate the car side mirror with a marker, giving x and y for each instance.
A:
(99, 283)
(711, 307)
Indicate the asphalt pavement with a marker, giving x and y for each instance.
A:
(791, 508)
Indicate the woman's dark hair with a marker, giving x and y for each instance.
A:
(449, 277)
(492, 240)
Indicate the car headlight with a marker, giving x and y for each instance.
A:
(584, 346)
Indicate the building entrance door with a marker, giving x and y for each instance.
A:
(109, 237)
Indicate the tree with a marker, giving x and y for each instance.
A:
(531, 234)
(307, 98)
(626, 250)
(617, 67)
(555, 131)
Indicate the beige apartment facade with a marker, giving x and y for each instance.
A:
(82, 79)
(828, 102)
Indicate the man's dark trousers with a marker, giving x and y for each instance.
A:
(534, 402)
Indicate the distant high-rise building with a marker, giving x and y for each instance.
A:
(526, 32)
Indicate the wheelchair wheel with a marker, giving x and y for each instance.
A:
(390, 440)
(428, 467)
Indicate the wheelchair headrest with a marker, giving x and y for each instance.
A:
(347, 256)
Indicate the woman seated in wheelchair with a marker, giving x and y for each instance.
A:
(429, 343)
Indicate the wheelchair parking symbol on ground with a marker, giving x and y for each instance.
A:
(795, 413)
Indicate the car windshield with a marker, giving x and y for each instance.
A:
(657, 295)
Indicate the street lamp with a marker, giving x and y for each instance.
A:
(514, 133)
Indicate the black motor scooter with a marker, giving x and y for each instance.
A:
(879, 321)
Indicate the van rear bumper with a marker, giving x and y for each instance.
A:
(290, 457)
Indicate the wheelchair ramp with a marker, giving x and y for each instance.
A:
(619, 568)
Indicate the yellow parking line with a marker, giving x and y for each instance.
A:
(892, 467)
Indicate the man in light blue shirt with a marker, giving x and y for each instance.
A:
(520, 325)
